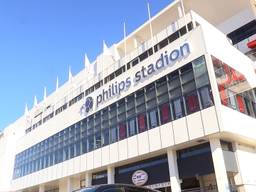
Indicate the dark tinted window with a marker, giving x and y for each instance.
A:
(243, 32)
(113, 190)
(134, 189)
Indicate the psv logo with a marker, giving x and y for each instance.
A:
(87, 106)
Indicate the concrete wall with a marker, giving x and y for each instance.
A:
(246, 157)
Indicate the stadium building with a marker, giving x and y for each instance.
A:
(172, 107)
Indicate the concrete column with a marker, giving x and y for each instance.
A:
(69, 184)
(219, 165)
(173, 170)
(111, 175)
(41, 188)
(88, 179)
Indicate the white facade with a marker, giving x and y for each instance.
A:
(210, 125)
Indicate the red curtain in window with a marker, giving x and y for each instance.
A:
(165, 113)
(192, 102)
(240, 103)
(223, 95)
(122, 131)
(142, 122)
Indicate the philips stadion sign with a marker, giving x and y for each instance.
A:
(166, 59)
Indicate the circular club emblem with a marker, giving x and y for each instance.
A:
(87, 106)
(139, 177)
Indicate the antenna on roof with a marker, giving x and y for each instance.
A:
(69, 74)
(150, 23)
(116, 53)
(26, 110)
(106, 50)
(57, 83)
(125, 48)
(45, 93)
(86, 62)
(181, 11)
(35, 101)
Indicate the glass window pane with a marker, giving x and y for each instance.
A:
(90, 143)
(122, 131)
(71, 151)
(231, 99)
(150, 91)
(77, 148)
(132, 130)
(105, 137)
(113, 135)
(192, 103)
(165, 113)
(142, 122)
(98, 140)
(178, 108)
(65, 153)
(206, 97)
(174, 80)
(153, 118)
(84, 145)
(200, 71)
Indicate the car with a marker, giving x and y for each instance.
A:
(116, 188)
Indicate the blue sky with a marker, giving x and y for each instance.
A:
(40, 39)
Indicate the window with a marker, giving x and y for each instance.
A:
(233, 88)
(243, 32)
(122, 131)
(183, 31)
(113, 135)
(192, 103)
(97, 140)
(114, 190)
(90, 143)
(200, 71)
(134, 189)
(77, 148)
(105, 137)
(163, 43)
(84, 145)
(156, 103)
(132, 130)
(231, 99)
(135, 61)
(120, 71)
(65, 153)
(173, 36)
(194, 151)
(142, 122)
(165, 113)
(130, 106)
(162, 90)
(153, 118)
(143, 56)
(111, 76)
(71, 151)
(206, 97)
(254, 108)
(248, 107)
(178, 109)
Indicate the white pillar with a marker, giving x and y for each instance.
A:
(173, 170)
(69, 184)
(111, 175)
(41, 188)
(219, 165)
(88, 179)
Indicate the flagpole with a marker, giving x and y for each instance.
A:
(183, 13)
(150, 23)
(125, 45)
